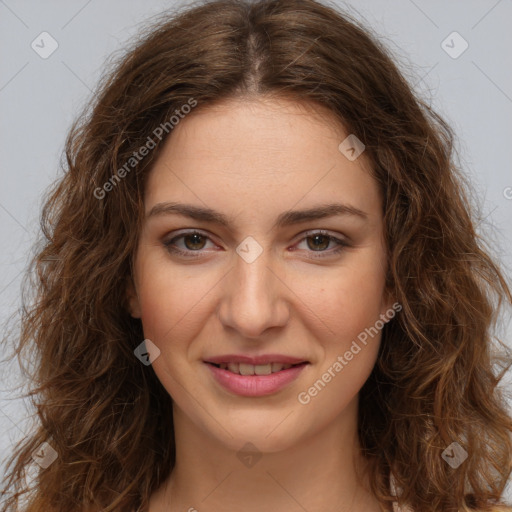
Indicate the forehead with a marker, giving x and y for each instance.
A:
(260, 157)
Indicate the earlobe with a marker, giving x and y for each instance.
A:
(133, 300)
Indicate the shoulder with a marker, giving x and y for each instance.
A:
(501, 508)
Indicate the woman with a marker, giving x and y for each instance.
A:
(261, 287)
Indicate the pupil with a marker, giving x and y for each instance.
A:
(321, 246)
(195, 243)
(317, 238)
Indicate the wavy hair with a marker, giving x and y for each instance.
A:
(436, 378)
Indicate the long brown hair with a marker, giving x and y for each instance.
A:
(107, 416)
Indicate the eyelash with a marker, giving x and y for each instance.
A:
(189, 253)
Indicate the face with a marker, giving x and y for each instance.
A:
(226, 274)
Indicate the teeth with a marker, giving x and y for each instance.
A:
(246, 369)
(254, 369)
(276, 367)
(233, 367)
(263, 369)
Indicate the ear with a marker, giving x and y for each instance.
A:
(133, 299)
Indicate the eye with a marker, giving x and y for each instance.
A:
(193, 242)
(318, 241)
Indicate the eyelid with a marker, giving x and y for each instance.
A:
(168, 241)
(326, 232)
(299, 236)
(341, 241)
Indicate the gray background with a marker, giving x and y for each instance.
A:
(39, 98)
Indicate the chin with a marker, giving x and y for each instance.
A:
(269, 432)
(244, 440)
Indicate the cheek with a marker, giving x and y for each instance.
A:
(347, 301)
(159, 309)
(351, 308)
(171, 299)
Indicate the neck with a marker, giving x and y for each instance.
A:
(323, 472)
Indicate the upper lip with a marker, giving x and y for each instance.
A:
(256, 360)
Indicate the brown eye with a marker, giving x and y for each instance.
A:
(189, 245)
(194, 241)
(320, 242)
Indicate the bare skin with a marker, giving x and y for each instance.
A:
(252, 160)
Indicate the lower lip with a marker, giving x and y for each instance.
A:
(255, 385)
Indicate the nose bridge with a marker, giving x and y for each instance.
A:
(252, 278)
(252, 301)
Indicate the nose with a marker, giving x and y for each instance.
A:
(254, 297)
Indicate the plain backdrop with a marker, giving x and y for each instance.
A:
(466, 76)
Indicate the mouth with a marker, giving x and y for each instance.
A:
(255, 369)
(255, 376)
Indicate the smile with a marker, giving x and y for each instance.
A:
(253, 369)
(254, 380)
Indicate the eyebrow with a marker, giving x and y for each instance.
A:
(287, 218)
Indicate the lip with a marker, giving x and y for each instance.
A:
(255, 385)
(263, 359)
